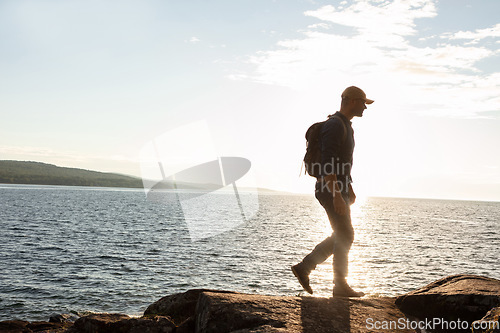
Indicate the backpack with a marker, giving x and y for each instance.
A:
(312, 158)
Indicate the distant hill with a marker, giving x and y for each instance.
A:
(37, 173)
(17, 172)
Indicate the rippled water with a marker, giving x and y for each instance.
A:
(87, 249)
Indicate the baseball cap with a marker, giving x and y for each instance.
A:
(353, 92)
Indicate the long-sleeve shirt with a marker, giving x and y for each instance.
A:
(337, 146)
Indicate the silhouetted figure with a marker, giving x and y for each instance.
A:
(334, 192)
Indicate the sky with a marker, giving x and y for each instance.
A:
(90, 84)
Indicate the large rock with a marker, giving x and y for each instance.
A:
(63, 318)
(21, 326)
(464, 297)
(120, 323)
(179, 307)
(235, 312)
(489, 323)
(13, 325)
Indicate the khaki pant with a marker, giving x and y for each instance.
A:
(339, 243)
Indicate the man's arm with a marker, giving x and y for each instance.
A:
(338, 202)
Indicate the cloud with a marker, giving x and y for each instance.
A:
(370, 43)
(478, 34)
(376, 20)
(318, 25)
(194, 40)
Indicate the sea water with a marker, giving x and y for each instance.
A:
(79, 249)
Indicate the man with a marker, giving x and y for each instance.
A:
(335, 193)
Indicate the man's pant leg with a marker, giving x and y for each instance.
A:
(343, 233)
(320, 253)
(339, 243)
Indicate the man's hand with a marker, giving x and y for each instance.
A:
(339, 204)
(352, 196)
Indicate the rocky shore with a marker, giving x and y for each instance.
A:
(459, 303)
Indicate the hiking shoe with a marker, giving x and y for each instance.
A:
(346, 291)
(302, 275)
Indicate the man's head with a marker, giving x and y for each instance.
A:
(354, 102)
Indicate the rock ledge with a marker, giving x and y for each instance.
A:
(468, 298)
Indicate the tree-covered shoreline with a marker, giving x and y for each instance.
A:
(37, 173)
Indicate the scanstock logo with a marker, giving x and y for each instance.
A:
(180, 168)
